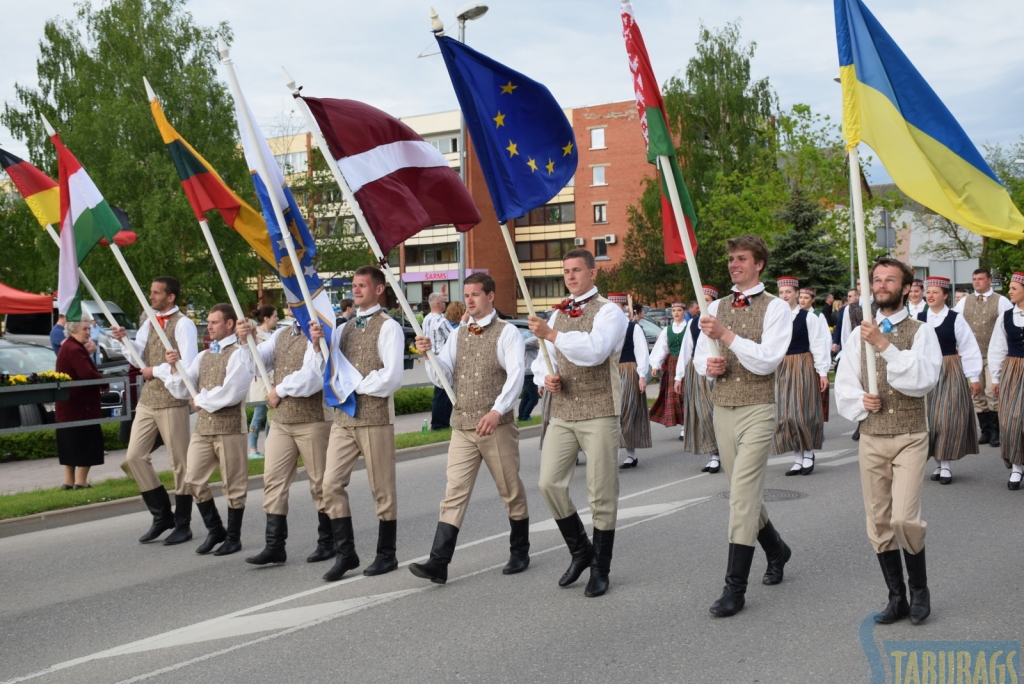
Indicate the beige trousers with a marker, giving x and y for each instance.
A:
(500, 451)
(744, 439)
(376, 443)
(285, 444)
(598, 438)
(891, 473)
(986, 400)
(172, 425)
(205, 454)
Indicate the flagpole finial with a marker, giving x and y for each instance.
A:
(46, 124)
(223, 49)
(435, 23)
(149, 90)
(289, 82)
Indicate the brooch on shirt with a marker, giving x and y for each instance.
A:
(573, 308)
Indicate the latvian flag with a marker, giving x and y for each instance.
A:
(402, 183)
(85, 219)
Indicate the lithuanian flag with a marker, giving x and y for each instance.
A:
(206, 190)
(889, 105)
(40, 192)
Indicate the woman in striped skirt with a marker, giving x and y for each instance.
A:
(799, 381)
(635, 420)
(1006, 363)
(952, 433)
(668, 407)
(698, 410)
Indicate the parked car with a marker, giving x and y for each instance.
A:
(35, 329)
(651, 331)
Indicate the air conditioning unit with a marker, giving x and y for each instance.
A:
(579, 242)
(610, 238)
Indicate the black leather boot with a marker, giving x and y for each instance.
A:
(182, 520)
(519, 547)
(917, 580)
(325, 540)
(601, 563)
(215, 532)
(159, 505)
(345, 558)
(441, 552)
(386, 561)
(575, 535)
(993, 429)
(777, 551)
(233, 544)
(892, 570)
(277, 534)
(733, 595)
(986, 427)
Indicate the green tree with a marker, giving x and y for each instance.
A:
(804, 251)
(90, 87)
(1001, 256)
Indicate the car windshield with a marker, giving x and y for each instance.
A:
(650, 328)
(26, 360)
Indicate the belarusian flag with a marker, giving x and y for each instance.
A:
(85, 219)
(654, 124)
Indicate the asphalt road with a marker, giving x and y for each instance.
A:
(87, 603)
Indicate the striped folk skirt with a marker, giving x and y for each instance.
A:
(798, 405)
(1011, 410)
(668, 407)
(634, 419)
(699, 416)
(952, 433)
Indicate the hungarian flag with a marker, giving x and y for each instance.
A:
(654, 124)
(40, 192)
(85, 219)
(402, 183)
(206, 191)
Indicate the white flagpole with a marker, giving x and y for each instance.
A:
(143, 302)
(129, 349)
(261, 168)
(215, 253)
(357, 211)
(857, 201)
(526, 293)
(677, 210)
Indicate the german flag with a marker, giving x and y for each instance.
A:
(206, 190)
(39, 190)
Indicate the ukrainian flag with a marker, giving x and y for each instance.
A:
(888, 105)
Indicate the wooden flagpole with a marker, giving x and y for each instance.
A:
(526, 293)
(857, 202)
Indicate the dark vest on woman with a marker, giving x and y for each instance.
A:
(945, 332)
(675, 340)
(1014, 336)
(628, 354)
(800, 342)
(695, 330)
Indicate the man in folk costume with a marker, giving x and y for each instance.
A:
(374, 344)
(634, 361)
(696, 390)
(160, 414)
(300, 428)
(221, 374)
(916, 303)
(484, 362)
(664, 358)
(800, 380)
(584, 339)
(753, 331)
(983, 311)
(1006, 352)
(952, 433)
(894, 433)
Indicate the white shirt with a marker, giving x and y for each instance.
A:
(236, 382)
(185, 335)
(436, 327)
(759, 359)
(914, 309)
(913, 371)
(660, 350)
(846, 327)
(511, 352)
(686, 353)
(819, 338)
(304, 382)
(582, 348)
(966, 343)
(1004, 306)
(390, 348)
(997, 347)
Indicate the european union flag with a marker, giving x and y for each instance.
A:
(525, 144)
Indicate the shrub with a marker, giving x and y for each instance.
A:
(413, 400)
(28, 446)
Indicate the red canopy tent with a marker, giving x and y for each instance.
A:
(17, 302)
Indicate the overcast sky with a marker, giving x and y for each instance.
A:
(971, 53)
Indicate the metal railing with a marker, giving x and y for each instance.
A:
(125, 407)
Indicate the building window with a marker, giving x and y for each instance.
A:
(597, 139)
(445, 145)
(546, 250)
(598, 176)
(293, 162)
(418, 255)
(600, 213)
(600, 247)
(549, 214)
(551, 288)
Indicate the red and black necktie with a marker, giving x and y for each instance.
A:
(573, 308)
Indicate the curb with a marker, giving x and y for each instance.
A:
(108, 509)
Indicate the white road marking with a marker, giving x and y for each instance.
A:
(841, 461)
(624, 514)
